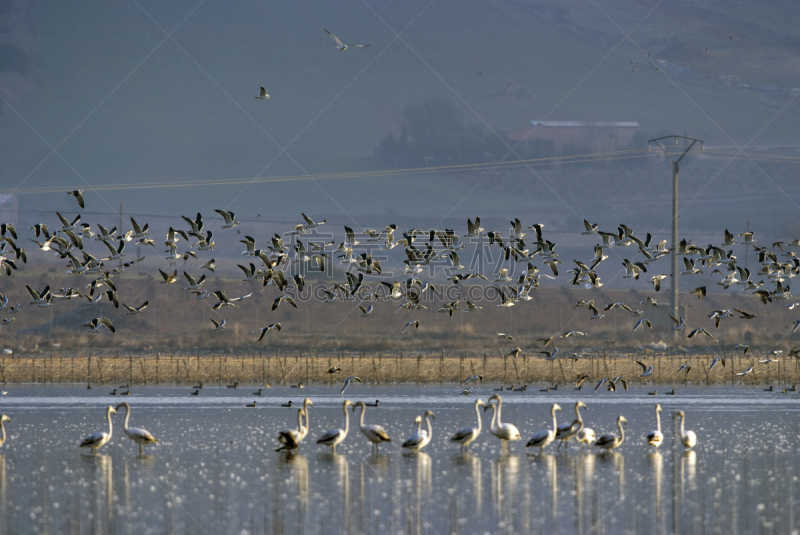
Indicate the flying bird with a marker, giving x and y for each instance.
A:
(647, 371)
(270, 327)
(283, 297)
(551, 355)
(714, 362)
(415, 323)
(135, 311)
(701, 331)
(229, 217)
(677, 324)
(78, 194)
(95, 325)
(169, 279)
(475, 378)
(341, 46)
(347, 383)
(572, 333)
(700, 292)
(657, 281)
(599, 384)
(263, 95)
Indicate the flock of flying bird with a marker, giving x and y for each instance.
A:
(290, 439)
(284, 265)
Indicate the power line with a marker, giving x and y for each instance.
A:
(377, 174)
(579, 158)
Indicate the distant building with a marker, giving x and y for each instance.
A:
(574, 137)
(9, 208)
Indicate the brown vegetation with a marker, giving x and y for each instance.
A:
(380, 368)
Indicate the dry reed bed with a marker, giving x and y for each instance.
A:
(380, 369)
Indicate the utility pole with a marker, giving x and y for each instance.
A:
(675, 167)
(120, 233)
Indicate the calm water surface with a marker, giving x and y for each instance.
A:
(215, 470)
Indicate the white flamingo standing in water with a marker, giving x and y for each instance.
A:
(655, 438)
(101, 438)
(688, 438)
(421, 437)
(3, 418)
(610, 441)
(291, 438)
(374, 432)
(304, 430)
(585, 436)
(335, 436)
(566, 431)
(467, 435)
(138, 435)
(545, 436)
(505, 432)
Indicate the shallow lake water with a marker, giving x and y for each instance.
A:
(215, 470)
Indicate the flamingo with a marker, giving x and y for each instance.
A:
(566, 431)
(99, 439)
(374, 433)
(655, 438)
(688, 438)
(3, 418)
(291, 438)
(467, 435)
(505, 432)
(545, 436)
(421, 437)
(140, 436)
(610, 441)
(335, 436)
(585, 436)
(304, 431)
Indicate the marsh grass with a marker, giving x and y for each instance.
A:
(383, 368)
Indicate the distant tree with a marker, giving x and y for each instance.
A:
(434, 133)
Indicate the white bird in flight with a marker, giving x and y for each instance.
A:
(347, 383)
(647, 371)
(415, 323)
(263, 95)
(341, 46)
